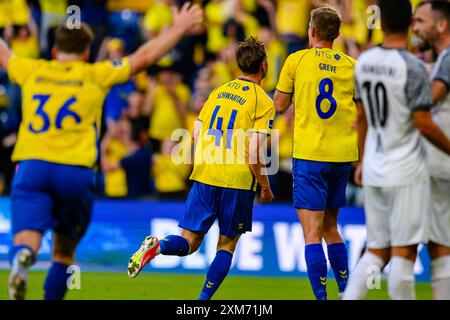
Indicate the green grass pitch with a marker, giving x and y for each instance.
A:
(150, 286)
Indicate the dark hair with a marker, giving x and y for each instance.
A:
(250, 54)
(327, 22)
(396, 16)
(442, 7)
(73, 40)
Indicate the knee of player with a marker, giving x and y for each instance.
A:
(313, 234)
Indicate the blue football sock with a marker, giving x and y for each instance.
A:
(337, 255)
(174, 246)
(13, 252)
(217, 271)
(317, 269)
(55, 285)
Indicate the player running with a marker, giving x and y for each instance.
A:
(395, 92)
(432, 26)
(56, 149)
(320, 81)
(223, 190)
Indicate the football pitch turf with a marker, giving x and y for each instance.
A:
(158, 286)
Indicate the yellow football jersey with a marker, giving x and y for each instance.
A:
(232, 112)
(116, 180)
(292, 17)
(62, 107)
(169, 177)
(322, 83)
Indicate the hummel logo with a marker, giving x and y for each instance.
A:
(241, 226)
(343, 274)
(323, 280)
(209, 284)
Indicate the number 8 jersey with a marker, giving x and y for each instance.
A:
(62, 107)
(322, 83)
(392, 84)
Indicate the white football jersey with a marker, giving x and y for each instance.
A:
(392, 84)
(439, 161)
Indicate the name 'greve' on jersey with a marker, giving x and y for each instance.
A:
(392, 84)
(439, 161)
(232, 112)
(322, 82)
(62, 107)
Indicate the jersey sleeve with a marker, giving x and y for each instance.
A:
(286, 80)
(19, 69)
(442, 70)
(418, 87)
(111, 72)
(265, 113)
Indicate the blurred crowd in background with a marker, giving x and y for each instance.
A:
(140, 115)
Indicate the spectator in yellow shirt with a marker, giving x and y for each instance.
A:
(292, 17)
(114, 150)
(25, 42)
(167, 106)
(276, 54)
(52, 14)
(170, 178)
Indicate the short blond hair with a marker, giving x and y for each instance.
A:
(250, 54)
(327, 22)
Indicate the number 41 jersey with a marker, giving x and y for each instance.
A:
(322, 83)
(392, 84)
(232, 113)
(61, 107)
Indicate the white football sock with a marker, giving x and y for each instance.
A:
(440, 278)
(401, 279)
(358, 283)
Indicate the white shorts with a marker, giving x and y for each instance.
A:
(397, 216)
(440, 212)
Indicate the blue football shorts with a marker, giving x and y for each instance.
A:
(233, 209)
(50, 196)
(319, 185)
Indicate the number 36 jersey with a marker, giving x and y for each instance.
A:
(322, 83)
(392, 84)
(62, 107)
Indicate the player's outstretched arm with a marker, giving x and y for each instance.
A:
(152, 50)
(258, 168)
(430, 130)
(5, 54)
